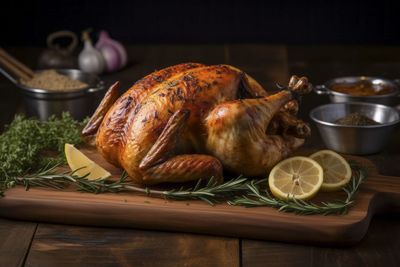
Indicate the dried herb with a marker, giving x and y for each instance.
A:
(356, 119)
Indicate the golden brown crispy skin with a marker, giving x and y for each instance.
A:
(111, 133)
(188, 121)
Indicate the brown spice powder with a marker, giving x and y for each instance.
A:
(54, 81)
(356, 119)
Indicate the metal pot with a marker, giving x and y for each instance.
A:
(42, 103)
(350, 139)
(390, 99)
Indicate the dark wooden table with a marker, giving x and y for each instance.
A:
(41, 244)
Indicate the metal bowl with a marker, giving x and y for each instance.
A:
(390, 99)
(42, 103)
(359, 140)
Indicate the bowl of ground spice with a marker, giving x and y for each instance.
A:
(355, 128)
(51, 92)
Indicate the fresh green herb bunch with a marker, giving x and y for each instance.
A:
(25, 142)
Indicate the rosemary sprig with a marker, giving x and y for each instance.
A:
(211, 192)
(258, 198)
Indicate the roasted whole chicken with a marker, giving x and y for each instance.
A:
(191, 121)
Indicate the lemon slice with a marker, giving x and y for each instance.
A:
(337, 171)
(296, 177)
(83, 165)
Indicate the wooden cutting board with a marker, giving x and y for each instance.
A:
(378, 194)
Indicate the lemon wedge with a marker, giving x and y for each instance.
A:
(337, 171)
(82, 165)
(295, 178)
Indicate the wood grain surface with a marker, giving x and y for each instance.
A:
(58, 245)
(138, 211)
(15, 241)
(375, 250)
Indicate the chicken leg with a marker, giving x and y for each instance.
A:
(237, 132)
(285, 120)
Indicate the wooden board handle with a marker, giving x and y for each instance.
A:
(387, 190)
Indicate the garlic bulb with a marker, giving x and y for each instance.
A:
(114, 53)
(90, 60)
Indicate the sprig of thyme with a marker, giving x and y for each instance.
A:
(257, 198)
(25, 142)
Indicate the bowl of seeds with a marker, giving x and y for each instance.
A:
(51, 92)
(354, 127)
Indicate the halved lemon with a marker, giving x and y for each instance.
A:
(337, 171)
(82, 165)
(296, 177)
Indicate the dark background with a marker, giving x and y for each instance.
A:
(206, 21)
